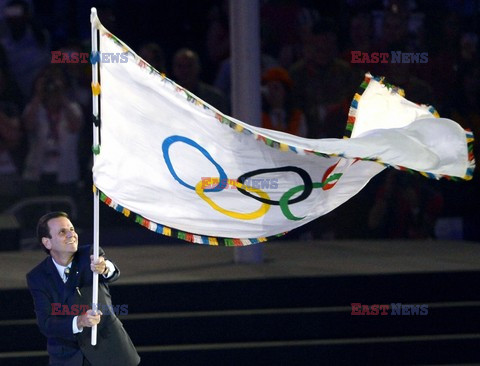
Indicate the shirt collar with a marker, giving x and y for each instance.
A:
(60, 268)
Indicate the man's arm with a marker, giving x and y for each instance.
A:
(108, 270)
(50, 324)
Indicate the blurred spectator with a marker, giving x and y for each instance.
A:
(444, 37)
(278, 48)
(10, 138)
(469, 48)
(393, 37)
(292, 50)
(393, 26)
(11, 153)
(223, 78)
(323, 83)
(154, 55)
(416, 89)
(464, 200)
(53, 124)
(278, 110)
(9, 90)
(217, 37)
(406, 207)
(284, 25)
(360, 38)
(78, 76)
(3, 5)
(466, 107)
(186, 72)
(27, 45)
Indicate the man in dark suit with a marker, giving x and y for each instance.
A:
(61, 287)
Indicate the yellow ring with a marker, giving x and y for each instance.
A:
(236, 215)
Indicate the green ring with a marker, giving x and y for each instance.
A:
(288, 194)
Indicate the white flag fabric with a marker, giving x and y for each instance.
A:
(182, 168)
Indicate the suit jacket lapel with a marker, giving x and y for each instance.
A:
(55, 278)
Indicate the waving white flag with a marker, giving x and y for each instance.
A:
(182, 168)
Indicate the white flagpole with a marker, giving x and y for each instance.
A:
(96, 200)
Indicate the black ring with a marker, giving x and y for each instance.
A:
(307, 182)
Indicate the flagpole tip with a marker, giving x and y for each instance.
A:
(93, 15)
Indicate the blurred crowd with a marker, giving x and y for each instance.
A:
(308, 81)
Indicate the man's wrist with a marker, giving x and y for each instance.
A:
(109, 269)
(76, 325)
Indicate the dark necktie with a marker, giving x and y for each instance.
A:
(66, 272)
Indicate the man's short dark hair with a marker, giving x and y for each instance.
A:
(43, 231)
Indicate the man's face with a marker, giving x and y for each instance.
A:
(64, 239)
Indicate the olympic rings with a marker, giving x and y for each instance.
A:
(284, 202)
(286, 196)
(236, 215)
(166, 145)
(307, 183)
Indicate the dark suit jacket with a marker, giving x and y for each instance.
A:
(114, 346)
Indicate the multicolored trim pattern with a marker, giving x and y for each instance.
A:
(352, 114)
(178, 234)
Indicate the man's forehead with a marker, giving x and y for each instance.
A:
(59, 222)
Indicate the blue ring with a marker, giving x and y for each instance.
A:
(166, 145)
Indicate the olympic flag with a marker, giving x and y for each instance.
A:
(182, 168)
